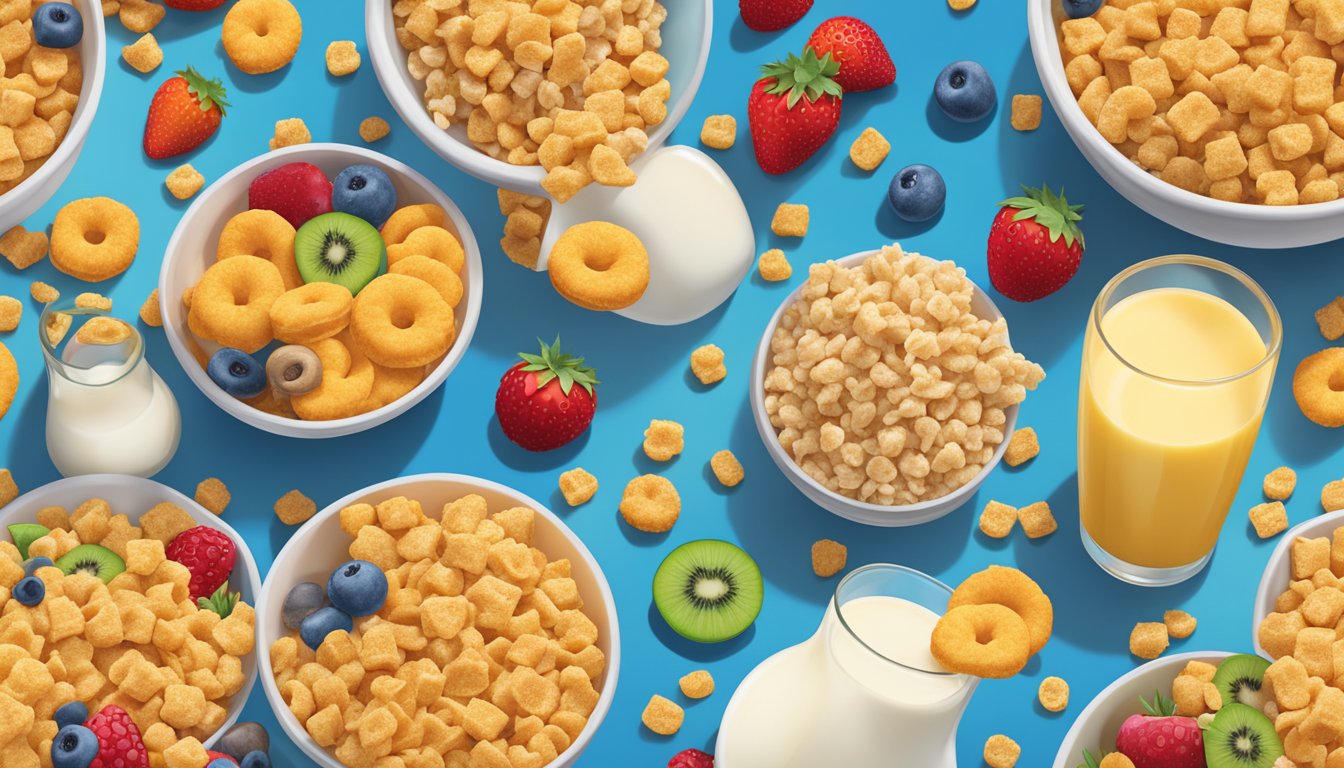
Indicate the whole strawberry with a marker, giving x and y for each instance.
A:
(691, 758)
(794, 110)
(865, 64)
(194, 5)
(772, 15)
(208, 554)
(119, 742)
(1035, 245)
(1159, 739)
(547, 400)
(185, 112)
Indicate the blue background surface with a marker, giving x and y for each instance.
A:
(644, 369)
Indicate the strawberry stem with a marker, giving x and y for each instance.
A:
(804, 75)
(1160, 706)
(221, 602)
(554, 364)
(1050, 211)
(210, 93)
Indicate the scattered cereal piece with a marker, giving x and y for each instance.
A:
(790, 220)
(290, 132)
(103, 330)
(960, 5)
(342, 58)
(1269, 519)
(828, 557)
(1053, 694)
(23, 248)
(373, 129)
(1332, 496)
(144, 55)
(1148, 640)
(707, 364)
(1026, 112)
(727, 469)
(1280, 484)
(577, 486)
(212, 494)
(94, 238)
(698, 684)
(870, 149)
(9, 490)
(997, 520)
(140, 16)
(93, 301)
(719, 132)
(151, 313)
(1037, 520)
(662, 716)
(11, 312)
(185, 181)
(1001, 752)
(663, 440)
(294, 508)
(774, 266)
(44, 293)
(1180, 624)
(651, 504)
(1022, 447)
(261, 36)
(1330, 318)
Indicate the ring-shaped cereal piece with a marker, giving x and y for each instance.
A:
(391, 384)
(347, 380)
(264, 234)
(1318, 387)
(599, 266)
(1012, 589)
(401, 322)
(231, 304)
(435, 242)
(436, 273)
(262, 36)
(9, 379)
(311, 313)
(982, 640)
(407, 219)
(94, 239)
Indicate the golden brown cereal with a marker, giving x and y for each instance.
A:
(140, 16)
(1022, 447)
(707, 364)
(150, 312)
(43, 293)
(1330, 318)
(1332, 496)
(1280, 484)
(1148, 640)
(599, 266)
(9, 379)
(790, 220)
(103, 330)
(719, 132)
(261, 36)
(185, 181)
(342, 58)
(294, 508)
(1012, 589)
(1053, 694)
(663, 440)
(144, 55)
(1180, 624)
(216, 313)
(774, 266)
(23, 248)
(726, 468)
(869, 150)
(997, 520)
(1001, 752)
(697, 685)
(93, 301)
(1116, 760)
(662, 716)
(651, 504)
(1269, 519)
(1026, 114)
(828, 557)
(373, 129)
(1037, 520)
(11, 312)
(212, 494)
(94, 239)
(290, 132)
(981, 640)
(577, 486)
(1318, 400)
(311, 313)
(960, 5)
(9, 491)
(400, 321)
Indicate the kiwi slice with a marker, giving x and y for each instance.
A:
(339, 248)
(1241, 737)
(708, 590)
(93, 560)
(1239, 678)
(24, 534)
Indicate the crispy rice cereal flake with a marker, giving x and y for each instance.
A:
(151, 313)
(1280, 484)
(707, 364)
(11, 312)
(578, 486)
(697, 685)
(1180, 624)
(662, 716)
(1332, 496)
(1053, 694)
(1269, 519)
(23, 248)
(294, 508)
(212, 494)
(791, 220)
(1026, 114)
(1330, 319)
(1023, 446)
(997, 520)
(664, 440)
(1037, 520)
(342, 58)
(184, 182)
(828, 558)
(1148, 640)
(774, 266)
(726, 468)
(719, 132)
(1001, 752)
(373, 129)
(93, 301)
(144, 55)
(43, 293)
(869, 150)
(897, 404)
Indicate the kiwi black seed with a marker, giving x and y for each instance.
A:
(1239, 679)
(339, 248)
(708, 590)
(1241, 737)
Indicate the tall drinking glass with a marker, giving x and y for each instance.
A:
(1178, 363)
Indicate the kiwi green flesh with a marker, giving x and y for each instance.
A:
(339, 248)
(93, 560)
(24, 534)
(1239, 679)
(708, 591)
(1241, 737)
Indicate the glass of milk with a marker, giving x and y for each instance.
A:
(107, 410)
(863, 692)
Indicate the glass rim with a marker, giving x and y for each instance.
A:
(64, 367)
(1275, 322)
(835, 600)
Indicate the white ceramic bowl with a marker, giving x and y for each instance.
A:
(1244, 224)
(191, 251)
(19, 203)
(1097, 725)
(320, 545)
(133, 496)
(1277, 571)
(886, 516)
(686, 37)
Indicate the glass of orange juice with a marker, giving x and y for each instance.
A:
(1178, 362)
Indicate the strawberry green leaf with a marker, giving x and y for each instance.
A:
(552, 364)
(806, 75)
(1160, 706)
(210, 93)
(1089, 760)
(221, 602)
(1049, 210)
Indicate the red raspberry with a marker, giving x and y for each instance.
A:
(691, 758)
(209, 555)
(119, 742)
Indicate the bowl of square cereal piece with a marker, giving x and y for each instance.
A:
(496, 638)
(885, 387)
(1293, 575)
(544, 101)
(196, 246)
(174, 665)
(1221, 121)
(45, 120)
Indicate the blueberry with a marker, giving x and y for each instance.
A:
(357, 588)
(965, 91)
(236, 372)
(74, 713)
(1077, 9)
(74, 747)
(321, 623)
(364, 191)
(917, 193)
(243, 739)
(58, 25)
(29, 591)
(30, 567)
(221, 762)
(301, 601)
(255, 760)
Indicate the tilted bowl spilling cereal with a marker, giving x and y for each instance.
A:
(493, 622)
(886, 388)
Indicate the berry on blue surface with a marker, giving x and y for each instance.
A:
(917, 193)
(220, 762)
(965, 91)
(358, 588)
(73, 713)
(321, 623)
(29, 591)
(364, 191)
(74, 747)
(236, 372)
(58, 25)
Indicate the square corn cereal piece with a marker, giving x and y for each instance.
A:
(577, 486)
(93, 301)
(1187, 694)
(373, 129)
(23, 248)
(1180, 624)
(1332, 496)
(707, 364)
(290, 132)
(1277, 188)
(483, 720)
(1269, 519)
(1193, 116)
(294, 508)
(1290, 141)
(774, 266)
(828, 557)
(870, 149)
(43, 293)
(1224, 158)
(1082, 36)
(697, 685)
(719, 132)
(726, 468)
(342, 58)
(1001, 751)
(1309, 556)
(664, 440)
(1037, 520)
(662, 716)
(144, 55)
(997, 520)
(1280, 484)
(164, 522)
(143, 556)
(1023, 446)
(187, 753)
(212, 494)
(1026, 115)
(790, 220)
(184, 182)
(648, 68)
(1200, 670)
(11, 312)
(1148, 640)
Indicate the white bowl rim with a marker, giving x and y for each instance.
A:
(1045, 42)
(1276, 569)
(334, 427)
(612, 672)
(469, 159)
(953, 500)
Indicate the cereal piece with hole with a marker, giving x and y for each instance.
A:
(373, 129)
(578, 486)
(869, 149)
(707, 364)
(1001, 752)
(151, 314)
(662, 716)
(664, 440)
(719, 132)
(212, 494)
(1037, 520)
(774, 266)
(1269, 519)
(294, 508)
(1026, 115)
(342, 58)
(1180, 624)
(791, 220)
(1148, 640)
(1280, 484)
(11, 312)
(697, 685)
(290, 132)
(828, 557)
(184, 182)
(1023, 446)
(726, 468)
(144, 55)
(997, 520)
(1053, 694)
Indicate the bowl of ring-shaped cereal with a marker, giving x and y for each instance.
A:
(886, 388)
(492, 635)
(546, 100)
(1220, 120)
